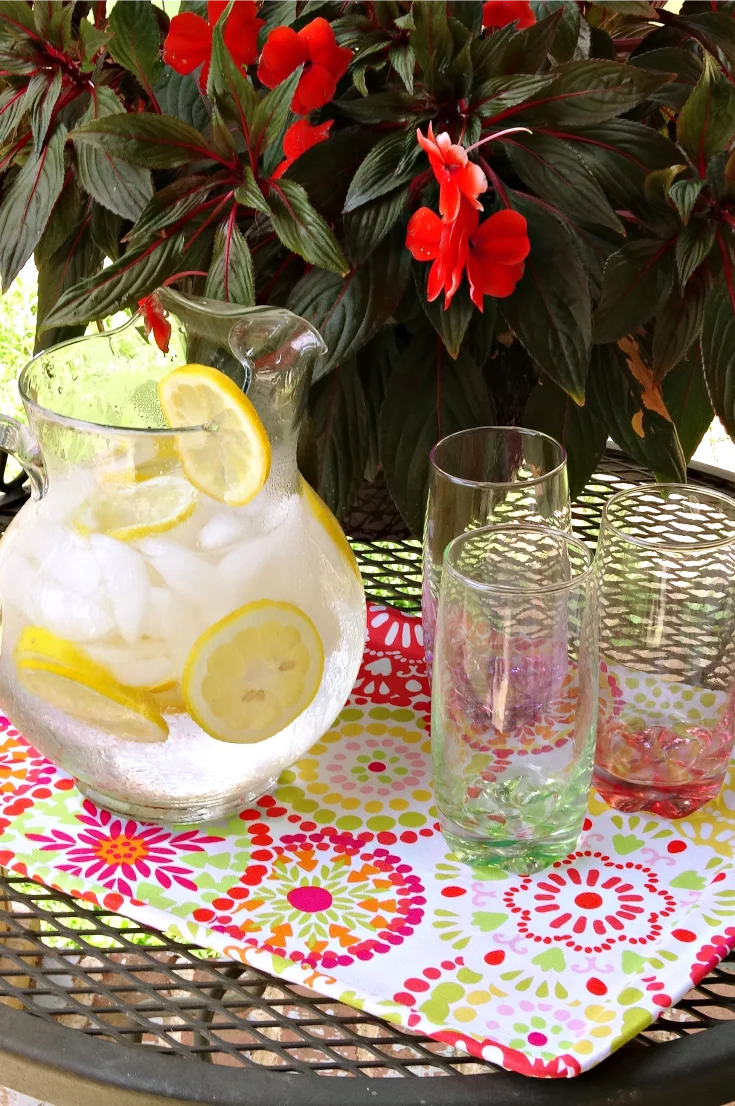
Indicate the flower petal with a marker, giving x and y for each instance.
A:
(283, 52)
(301, 136)
(315, 89)
(188, 42)
(323, 49)
(503, 238)
(450, 196)
(499, 13)
(492, 279)
(472, 181)
(424, 234)
(241, 32)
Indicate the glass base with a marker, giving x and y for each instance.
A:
(672, 801)
(214, 810)
(521, 857)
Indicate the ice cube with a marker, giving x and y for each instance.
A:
(187, 573)
(223, 529)
(173, 619)
(148, 664)
(71, 615)
(71, 561)
(126, 581)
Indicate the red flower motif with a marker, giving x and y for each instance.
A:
(314, 47)
(457, 175)
(155, 321)
(189, 40)
(497, 251)
(499, 13)
(492, 253)
(299, 138)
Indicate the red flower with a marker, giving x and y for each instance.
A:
(314, 47)
(457, 175)
(299, 138)
(189, 40)
(155, 321)
(499, 13)
(492, 253)
(498, 249)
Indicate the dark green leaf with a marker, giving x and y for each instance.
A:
(588, 92)
(707, 121)
(467, 12)
(686, 67)
(622, 395)
(594, 245)
(77, 259)
(480, 337)
(508, 51)
(222, 140)
(168, 206)
(349, 311)
(42, 109)
(451, 325)
(693, 246)
(554, 170)
(231, 274)
(179, 95)
(636, 280)
(59, 32)
(269, 118)
(92, 38)
(340, 420)
(278, 13)
(718, 350)
(718, 28)
(383, 107)
(368, 224)
(302, 229)
(67, 213)
(137, 273)
(403, 60)
(431, 41)
(376, 363)
(567, 34)
(16, 19)
(428, 396)
(553, 412)
(27, 206)
(688, 403)
(135, 42)
(325, 171)
(678, 324)
(620, 154)
(249, 194)
(231, 90)
(550, 308)
(154, 141)
(124, 189)
(389, 164)
(498, 93)
(684, 194)
(105, 228)
(601, 45)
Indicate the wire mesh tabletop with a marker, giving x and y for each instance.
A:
(78, 982)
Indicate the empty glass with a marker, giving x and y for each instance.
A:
(514, 696)
(491, 474)
(666, 566)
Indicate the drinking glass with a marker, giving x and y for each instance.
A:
(488, 475)
(665, 568)
(514, 695)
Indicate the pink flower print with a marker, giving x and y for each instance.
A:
(381, 767)
(117, 853)
(591, 907)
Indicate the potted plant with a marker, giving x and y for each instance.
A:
(503, 212)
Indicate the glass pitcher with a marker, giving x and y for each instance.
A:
(182, 616)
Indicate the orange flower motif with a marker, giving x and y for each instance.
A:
(457, 175)
(189, 40)
(314, 47)
(499, 13)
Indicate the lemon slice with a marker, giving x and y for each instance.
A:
(254, 672)
(322, 514)
(67, 679)
(229, 462)
(130, 512)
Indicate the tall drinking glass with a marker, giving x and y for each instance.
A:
(666, 575)
(488, 475)
(514, 695)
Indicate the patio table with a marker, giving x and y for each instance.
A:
(98, 1009)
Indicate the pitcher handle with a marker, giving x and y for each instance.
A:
(17, 440)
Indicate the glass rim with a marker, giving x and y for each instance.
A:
(669, 546)
(511, 589)
(74, 423)
(524, 430)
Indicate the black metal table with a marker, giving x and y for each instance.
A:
(96, 1009)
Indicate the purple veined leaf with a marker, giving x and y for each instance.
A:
(231, 272)
(301, 229)
(688, 402)
(152, 141)
(136, 42)
(27, 206)
(340, 423)
(718, 342)
(636, 280)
